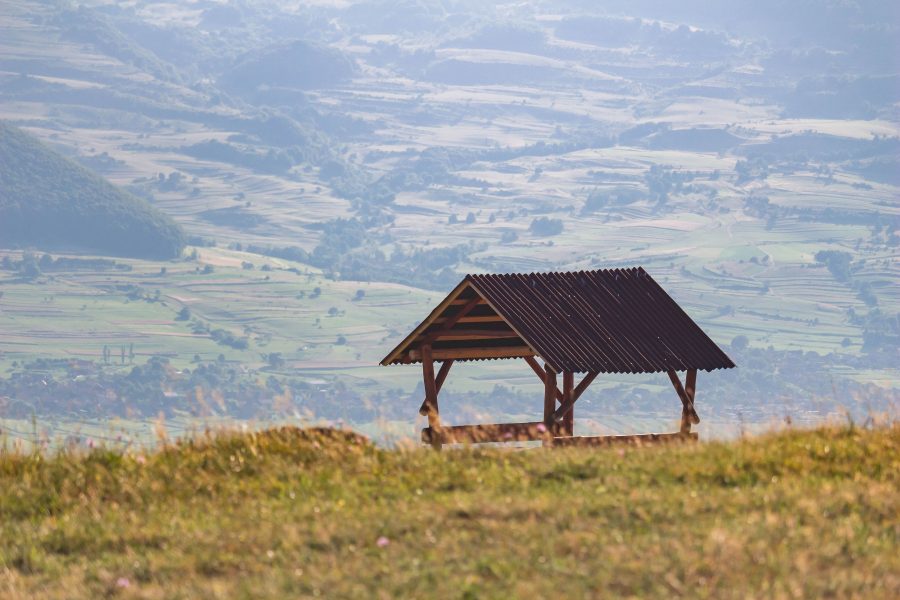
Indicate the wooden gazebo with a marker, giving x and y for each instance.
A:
(590, 322)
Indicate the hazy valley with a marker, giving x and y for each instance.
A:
(336, 168)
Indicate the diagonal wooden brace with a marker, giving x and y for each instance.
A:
(542, 375)
(438, 382)
(576, 393)
(686, 393)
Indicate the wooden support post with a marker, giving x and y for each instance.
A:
(690, 383)
(690, 389)
(434, 419)
(688, 413)
(568, 389)
(550, 392)
(438, 383)
(685, 421)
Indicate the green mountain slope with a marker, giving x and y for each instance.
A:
(51, 203)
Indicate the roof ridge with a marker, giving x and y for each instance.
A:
(638, 268)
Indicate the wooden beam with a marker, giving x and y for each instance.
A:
(634, 440)
(690, 388)
(530, 432)
(689, 415)
(483, 319)
(442, 375)
(470, 334)
(463, 301)
(473, 353)
(535, 366)
(431, 401)
(451, 321)
(576, 394)
(690, 384)
(499, 432)
(438, 383)
(568, 400)
(587, 380)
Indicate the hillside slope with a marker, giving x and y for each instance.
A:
(290, 513)
(51, 203)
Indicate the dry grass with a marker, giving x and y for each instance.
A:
(288, 513)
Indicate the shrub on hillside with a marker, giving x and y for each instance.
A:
(546, 226)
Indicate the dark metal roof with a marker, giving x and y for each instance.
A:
(616, 320)
(610, 321)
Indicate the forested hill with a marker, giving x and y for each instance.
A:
(48, 202)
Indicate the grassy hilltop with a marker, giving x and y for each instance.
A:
(286, 513)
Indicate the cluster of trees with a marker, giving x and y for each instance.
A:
(761, 208)
(298, 65)
(108, 354)
(220, 336)
(659, 183)
(546, 226)
(272, 160)
(662, 181)
(749, 393)
(31, 265)
(838, 263)
(881, 331)
(809, 147)
(82, 389)
(751, 169)
(600, 199)
(349, 250)
(74, 388)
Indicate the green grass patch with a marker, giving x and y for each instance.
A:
(288, 512)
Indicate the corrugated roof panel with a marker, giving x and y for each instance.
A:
(615, 320)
